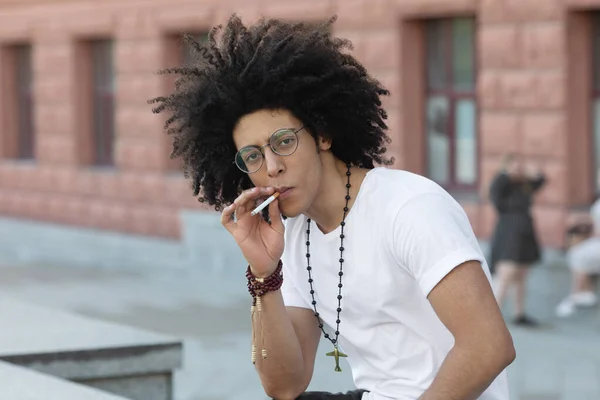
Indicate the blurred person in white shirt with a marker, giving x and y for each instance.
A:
(583, 259)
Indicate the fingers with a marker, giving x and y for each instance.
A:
(243, 205)
(227, 217)
(275, 217)
(247, 200)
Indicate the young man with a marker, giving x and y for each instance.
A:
(383, 261)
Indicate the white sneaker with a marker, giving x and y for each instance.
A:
(566, 308)
(584, 299)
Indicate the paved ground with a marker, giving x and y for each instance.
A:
(561, 361)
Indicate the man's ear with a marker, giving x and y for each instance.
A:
(324, 143)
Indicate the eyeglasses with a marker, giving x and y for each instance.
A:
(283, 142)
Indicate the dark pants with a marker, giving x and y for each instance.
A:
(353, 395)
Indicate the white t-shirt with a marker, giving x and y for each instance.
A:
(403, 234)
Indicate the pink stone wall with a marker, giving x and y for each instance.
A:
(526, 94)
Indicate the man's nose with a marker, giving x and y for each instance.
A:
(273, 162)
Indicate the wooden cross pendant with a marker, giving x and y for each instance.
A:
(336, 353)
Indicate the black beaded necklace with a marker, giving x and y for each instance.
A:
(335, 353)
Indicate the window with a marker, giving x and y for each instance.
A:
(17, 135)
(103, 101)
(187, 52)
(451, 109)
(596, 104)
(25, 117)
(178, 53)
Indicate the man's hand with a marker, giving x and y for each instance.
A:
(483, 346)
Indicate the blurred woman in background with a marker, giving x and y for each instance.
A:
(514, 246)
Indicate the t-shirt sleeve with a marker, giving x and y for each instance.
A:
(431, 236)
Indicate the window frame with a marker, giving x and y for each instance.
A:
(185, 56)
(176, 55)
(594, 156)
(453, 96)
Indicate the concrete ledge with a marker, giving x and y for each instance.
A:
(205, 243)
(130, 362)
(29, 242)
(20, 383)
(98, 363)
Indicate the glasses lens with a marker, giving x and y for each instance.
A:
(284, 142)
(249, 159)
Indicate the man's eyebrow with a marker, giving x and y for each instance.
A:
(268, 136)
(264, 141)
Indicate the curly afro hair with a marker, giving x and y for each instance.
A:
(271, 65)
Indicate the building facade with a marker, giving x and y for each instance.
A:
(470, 80)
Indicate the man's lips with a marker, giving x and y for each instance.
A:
(283, 191)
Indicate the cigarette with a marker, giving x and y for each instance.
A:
(265, 203)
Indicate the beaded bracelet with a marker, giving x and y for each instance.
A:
(257, 288)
